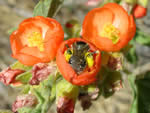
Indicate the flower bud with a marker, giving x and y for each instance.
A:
(85, 100)
(41, 71)
(27, 100)
(93, 91)
(66, 95)
(115, 61)
(139, 11)
(65, 105)
(8, 76)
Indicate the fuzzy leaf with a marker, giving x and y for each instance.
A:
(112, 83)
(47, 8)
(66, 89)
(141, 100)
(45, 93)
(66, 95)
(131, 79)
(132, 55)
(24, 77)
(18, 65)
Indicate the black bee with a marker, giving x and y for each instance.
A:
(78, 60)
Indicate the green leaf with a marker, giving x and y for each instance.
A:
(42, 8)
(132, 55)
(66, 89)
(142, 38)
(112, 83)
(26, 89)
(47, 8)
(131, 79)
(141, 100)
(45, 93)
(55, 7)
(24, 77)
(18, 65)
(143, 87)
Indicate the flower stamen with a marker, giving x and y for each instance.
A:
(111, 32)
(36, 40)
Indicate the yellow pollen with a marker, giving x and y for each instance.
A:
(36, 40)
(110, 32)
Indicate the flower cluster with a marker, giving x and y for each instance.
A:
(38, 44)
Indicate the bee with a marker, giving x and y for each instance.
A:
(76, 56)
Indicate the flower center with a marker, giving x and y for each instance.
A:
(111, 32)
(36, 40)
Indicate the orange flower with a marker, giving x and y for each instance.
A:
(110, 28)
(36, 40)
(86, 76)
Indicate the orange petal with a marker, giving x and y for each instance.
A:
(27, 59)
(121, 19)
(16, 44)
(33, 51)
(26, 31)
(132, 27)
(95, 20)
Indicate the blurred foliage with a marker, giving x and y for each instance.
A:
(140, 88)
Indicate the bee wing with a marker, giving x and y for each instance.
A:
(75, 49)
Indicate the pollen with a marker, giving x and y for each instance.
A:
(68, 53)
(89, 59)
(111, 32)
(36, 40)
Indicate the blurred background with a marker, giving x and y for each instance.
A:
(12, 12)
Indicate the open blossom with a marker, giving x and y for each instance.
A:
(110, 27)
(36, 40)
(72, 69)
(8, 76)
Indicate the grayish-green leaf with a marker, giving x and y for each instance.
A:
(47, 8)
(141, 98)
(45, 94)
(18, 65)
(132, 55)
(131, 79)
(66, 89)
(24, 77)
